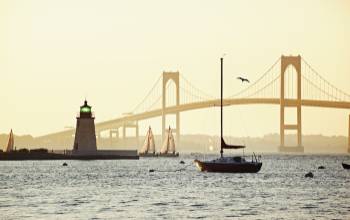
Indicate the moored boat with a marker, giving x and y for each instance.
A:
(223, 164)
(168, 147)
(148, 149)
(235, 164)
(10, 143)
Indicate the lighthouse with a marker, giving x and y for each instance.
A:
(85, 137)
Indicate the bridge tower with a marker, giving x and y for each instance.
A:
(295, 61)
(175, 77)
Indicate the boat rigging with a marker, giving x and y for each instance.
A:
(235, 164)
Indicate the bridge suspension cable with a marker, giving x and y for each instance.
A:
(148, 101)
(268, 85)
(261, 86)
(317, 87)
(190, 93)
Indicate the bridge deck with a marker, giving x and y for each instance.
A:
(101, 126)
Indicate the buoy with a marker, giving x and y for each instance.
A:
(151, 170)
(321, 167)
(182, 162)
(64, 164)
(309, 175)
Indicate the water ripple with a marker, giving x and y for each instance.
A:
(125, 189)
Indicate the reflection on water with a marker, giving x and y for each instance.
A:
(125, 189)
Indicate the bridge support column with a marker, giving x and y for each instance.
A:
(137, 134)
(110, 137)
(282, 125)
(124, 132)
(135, 125)
(116, 133)
(295, 61)
(175, 77)
(177, 129)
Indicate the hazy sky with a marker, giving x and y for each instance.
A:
(53, 54)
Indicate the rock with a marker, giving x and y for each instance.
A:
(151, 170)
(64, 164)
(346, 166)
(321, 167)
(182, 162)
(309, 175)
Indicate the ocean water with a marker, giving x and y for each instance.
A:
(122, 189)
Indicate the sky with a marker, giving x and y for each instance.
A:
(54, 54)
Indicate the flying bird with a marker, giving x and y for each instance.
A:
(243, 79)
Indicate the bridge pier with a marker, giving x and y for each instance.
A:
(116, 133)
(175, 77)
(295, 61)
(135, 125)
(124, 132)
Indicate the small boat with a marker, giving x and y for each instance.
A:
(346, 166)
(10, 143)
(168, 147)
(148, 149)
(223, 164)
(235, 164)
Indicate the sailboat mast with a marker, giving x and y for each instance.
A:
(222, 66)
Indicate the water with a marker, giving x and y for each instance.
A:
(125, 189)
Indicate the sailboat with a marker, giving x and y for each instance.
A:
(223, 164)
(168, 147)
(148, 148)
(10, 143)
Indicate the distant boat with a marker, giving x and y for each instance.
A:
(148, 149)
(10, 142)
(346, 166)
(168, 147)
(223, 164)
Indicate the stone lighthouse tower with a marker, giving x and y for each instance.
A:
(85, 137)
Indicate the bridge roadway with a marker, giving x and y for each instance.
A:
(106, 125)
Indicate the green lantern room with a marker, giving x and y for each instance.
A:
(85, 111)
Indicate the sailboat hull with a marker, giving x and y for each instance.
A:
(247, 167)
(159, 155)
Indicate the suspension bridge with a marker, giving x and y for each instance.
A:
(290, 82)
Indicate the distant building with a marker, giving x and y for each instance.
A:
(85, 137)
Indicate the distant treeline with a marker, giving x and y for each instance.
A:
(198, 143)
(22, 141)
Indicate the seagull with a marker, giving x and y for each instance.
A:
(243, 79)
